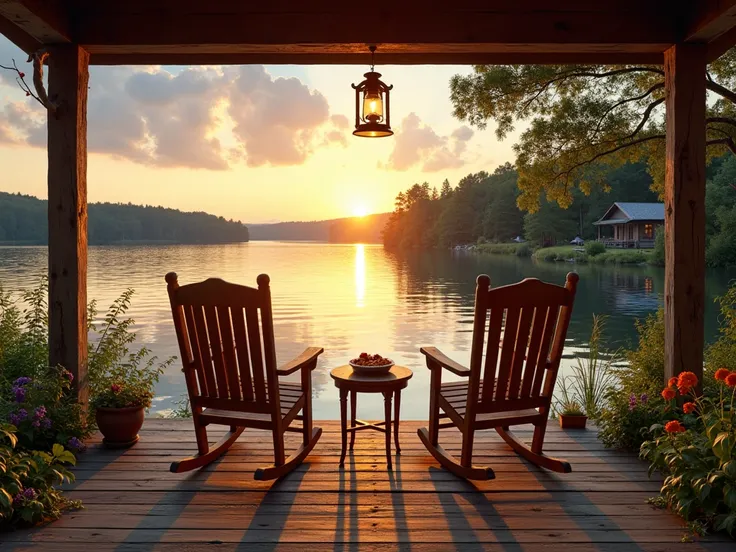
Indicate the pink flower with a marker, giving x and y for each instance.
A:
(116, 388)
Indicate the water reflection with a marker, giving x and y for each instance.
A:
(359, 275)
(354, 298)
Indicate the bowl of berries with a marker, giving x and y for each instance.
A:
(371, 364)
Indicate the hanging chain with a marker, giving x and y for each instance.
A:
(373, 55)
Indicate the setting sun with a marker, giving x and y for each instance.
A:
(360, 211)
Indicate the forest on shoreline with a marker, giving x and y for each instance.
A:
(482, 208)
(24, 221)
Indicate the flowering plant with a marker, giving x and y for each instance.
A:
(697, 454)
(27, 479)
(43, 411)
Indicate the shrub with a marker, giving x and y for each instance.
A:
(523, 250)
(592, 377)
(621, 425)
(657, 256)
(593, 248)
(697, 455)
(27, 479)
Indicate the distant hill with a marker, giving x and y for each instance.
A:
(343, 230)
(23, 220)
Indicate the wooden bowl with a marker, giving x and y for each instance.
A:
(368, 370)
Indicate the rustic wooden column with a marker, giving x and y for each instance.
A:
(684, 278)
(67, 182)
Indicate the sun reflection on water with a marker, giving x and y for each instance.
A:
(359, 275)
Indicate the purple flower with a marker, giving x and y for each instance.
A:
(36, 423)
(20, 394)
(40, 413)
(68, 375)
(632, 402)
(17, 417)
(644, 398)
(46, 423)
(75, 444)
(21, 381)
(21, 497)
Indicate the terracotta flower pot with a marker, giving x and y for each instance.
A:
(120, 426)
(570, 421)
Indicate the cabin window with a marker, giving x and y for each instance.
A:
(631, 232)
(649, 231)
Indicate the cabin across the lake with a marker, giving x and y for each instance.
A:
(631, 225)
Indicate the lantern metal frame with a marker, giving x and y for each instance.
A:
(372, 126)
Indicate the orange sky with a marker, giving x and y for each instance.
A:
(251, 143)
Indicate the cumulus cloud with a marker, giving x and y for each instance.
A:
(417, 144)
(202, 118)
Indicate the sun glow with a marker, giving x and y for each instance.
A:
(360, 211)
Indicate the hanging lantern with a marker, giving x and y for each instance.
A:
(372, 119)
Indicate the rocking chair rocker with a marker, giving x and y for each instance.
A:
(232, 380)
(518, 373)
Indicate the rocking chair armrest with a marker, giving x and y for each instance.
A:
(435, 355)
(309, 356)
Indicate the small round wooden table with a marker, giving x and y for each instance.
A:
(390, 384)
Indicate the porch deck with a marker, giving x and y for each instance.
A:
(133, 503)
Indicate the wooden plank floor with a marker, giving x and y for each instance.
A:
(133, 503)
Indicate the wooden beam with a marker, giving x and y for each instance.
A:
(67, 212)
(710, 19)
(46, 22)
(408, 58)
(18, 36)
(684, 277)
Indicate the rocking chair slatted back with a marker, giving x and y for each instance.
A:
(523, 339)
(228, 361)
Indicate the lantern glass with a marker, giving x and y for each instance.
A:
(372, 106)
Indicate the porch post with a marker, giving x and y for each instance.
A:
(684, 278)
(67, 212)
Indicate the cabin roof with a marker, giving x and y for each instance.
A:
(632, 211)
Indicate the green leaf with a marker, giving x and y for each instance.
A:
(722, 446)
(57, 449)
(5, 498)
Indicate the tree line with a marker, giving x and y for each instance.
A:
(483, 207)
(24, 220)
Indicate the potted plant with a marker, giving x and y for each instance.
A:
(121, 399)
(571, 416)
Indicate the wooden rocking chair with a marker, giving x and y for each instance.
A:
(514, 383)
(232, 378)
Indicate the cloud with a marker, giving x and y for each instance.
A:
(275, 119)
(415, 143)
(203, 118)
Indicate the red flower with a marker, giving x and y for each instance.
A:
(731, 379)
(28, 93)
(722, 374)
(686, 380)
(668, 393)
(689, 407)
(674, 427)
(684, 390)
(115, 388)
(22, 75)
(672, 382)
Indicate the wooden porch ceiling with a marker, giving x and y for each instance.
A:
(335, 31)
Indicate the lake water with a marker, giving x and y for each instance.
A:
(354, 298)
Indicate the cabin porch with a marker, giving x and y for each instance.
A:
(133, 503)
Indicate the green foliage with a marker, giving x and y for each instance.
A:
(500, 248)
(118, 377)
(482, 205)
(722, 353)
(27, 479)
(577, 116)
(25, 220)
(592, 376)
(593, 248)
(34, 396)
(657, 256)
(622, 420)
(524, 250)
(699, 463)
